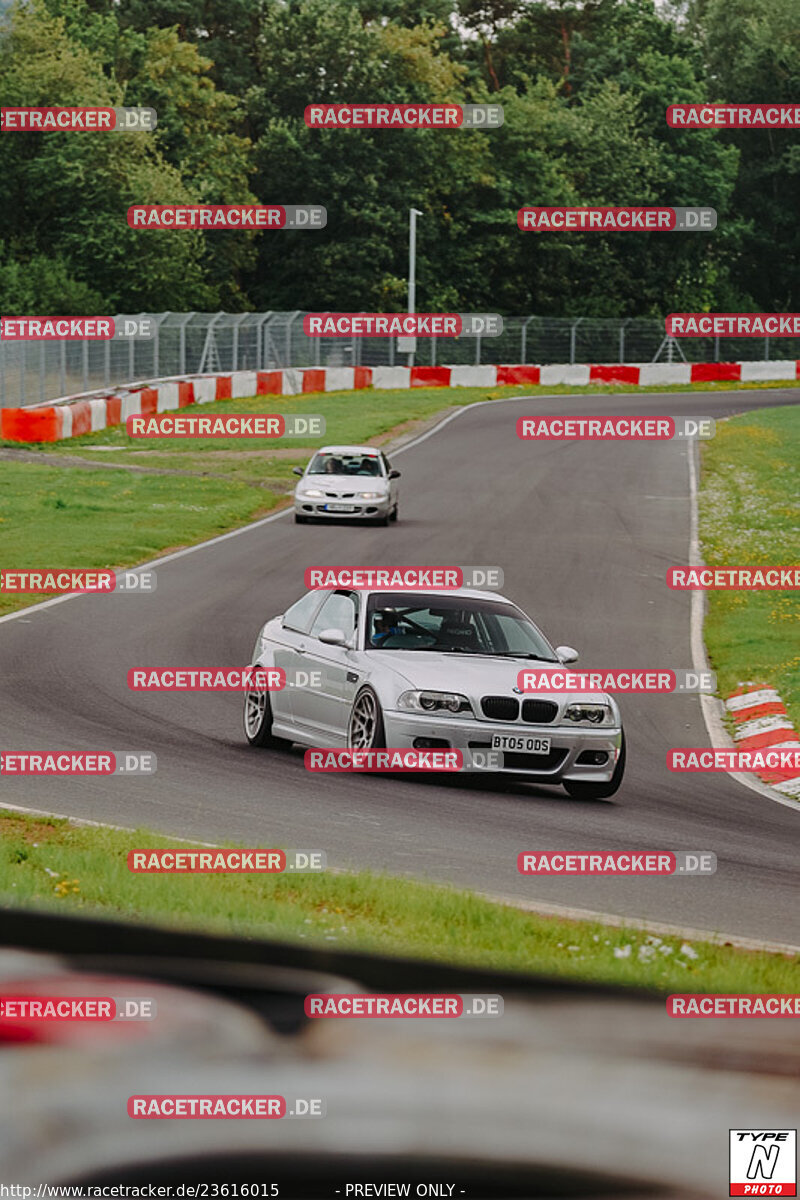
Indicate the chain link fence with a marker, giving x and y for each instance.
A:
(32, 372)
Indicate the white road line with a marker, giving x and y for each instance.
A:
(42, 812)
(535, 906)
(641, 925)
(155, 562)
(252, 525)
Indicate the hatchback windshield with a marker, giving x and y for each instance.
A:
(345, 464)
(453, 624)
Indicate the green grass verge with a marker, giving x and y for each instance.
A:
(749, 512)
(74, 516)
(51, 517)
(52, 864)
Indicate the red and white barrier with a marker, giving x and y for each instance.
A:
(75, 415)
(761, 722)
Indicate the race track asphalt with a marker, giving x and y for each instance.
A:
(585, 532)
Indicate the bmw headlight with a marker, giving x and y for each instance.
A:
(371, 495)
(301, 491)
(589, 714)
(436, 702)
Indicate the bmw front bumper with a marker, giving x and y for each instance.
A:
(573, 750)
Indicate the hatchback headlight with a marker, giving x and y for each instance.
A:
(589, 714)
(301, 491)
(371, 495)
(436, 702)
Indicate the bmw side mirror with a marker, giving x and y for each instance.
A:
(394, 474)
(333, 637)
(567, 654)
(297, 470)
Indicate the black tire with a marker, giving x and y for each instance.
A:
(298, 520)
(383, 520)
(257, 718)
(393, 514)
(373, 738)
(599, 791)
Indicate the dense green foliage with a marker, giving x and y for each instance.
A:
(584, 85)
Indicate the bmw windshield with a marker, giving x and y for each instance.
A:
(453, 624)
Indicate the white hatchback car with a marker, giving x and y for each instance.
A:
(347, 481)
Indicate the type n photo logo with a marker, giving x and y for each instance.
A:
(763, 1162)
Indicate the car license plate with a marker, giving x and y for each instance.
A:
(339, 508)
(528, 745)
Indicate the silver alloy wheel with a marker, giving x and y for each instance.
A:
(255, 704)
(363, 722)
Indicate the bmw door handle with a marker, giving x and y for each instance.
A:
(301, 649)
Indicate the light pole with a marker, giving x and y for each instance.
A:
(412, 269)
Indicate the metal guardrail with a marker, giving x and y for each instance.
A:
(33, 372)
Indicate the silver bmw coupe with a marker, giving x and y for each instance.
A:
(367, 669)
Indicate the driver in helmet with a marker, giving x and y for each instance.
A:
(386, 623)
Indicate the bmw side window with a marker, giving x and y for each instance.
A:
(338, 612)
(301, 614)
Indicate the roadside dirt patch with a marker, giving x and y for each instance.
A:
(17, 828)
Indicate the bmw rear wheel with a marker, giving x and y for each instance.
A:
(365, 728)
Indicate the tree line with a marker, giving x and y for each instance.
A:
(584, 85)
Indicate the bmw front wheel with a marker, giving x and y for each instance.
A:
(258, 721)
(365, 729)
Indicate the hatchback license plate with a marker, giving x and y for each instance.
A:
(340, 508)
(528, 745)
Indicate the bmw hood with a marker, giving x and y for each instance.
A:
(471, 675)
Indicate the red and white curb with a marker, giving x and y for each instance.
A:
(762, 721)
(71, 416)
